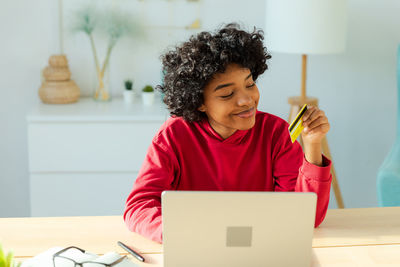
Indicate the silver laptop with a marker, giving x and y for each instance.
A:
(232, 229)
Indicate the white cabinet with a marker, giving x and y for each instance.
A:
(84, 157)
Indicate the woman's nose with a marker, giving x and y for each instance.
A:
(244, 99)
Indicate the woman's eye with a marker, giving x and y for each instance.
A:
(226, 96)
(251, 85)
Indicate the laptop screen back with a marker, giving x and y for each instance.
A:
(202, 228)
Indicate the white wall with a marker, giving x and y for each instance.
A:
(28, 35)
(357, 89)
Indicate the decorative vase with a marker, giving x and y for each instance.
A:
(388, 180)
(58, 61)
(57, 87)
(129, 96)
(56, 73)
(148, 98)
(102, 91)
(59, 92)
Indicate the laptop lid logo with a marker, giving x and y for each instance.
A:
(239, 236)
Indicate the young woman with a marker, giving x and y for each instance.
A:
(216, 139)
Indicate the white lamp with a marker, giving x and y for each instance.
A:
(307, 27)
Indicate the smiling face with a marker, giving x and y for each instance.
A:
(230, 100)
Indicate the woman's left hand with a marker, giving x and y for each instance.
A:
(316, 126)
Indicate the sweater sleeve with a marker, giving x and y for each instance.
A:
(292, 172)
(143, 205)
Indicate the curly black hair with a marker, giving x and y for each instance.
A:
(190, 66)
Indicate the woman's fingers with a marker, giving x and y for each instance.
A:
(315, 123)
(323, 128)
(313, 115)
(309, 112)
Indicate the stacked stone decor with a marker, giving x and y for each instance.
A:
(57, 86)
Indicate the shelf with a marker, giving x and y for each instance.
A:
(89, 110)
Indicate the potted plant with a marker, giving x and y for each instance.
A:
(148, 95)
(115, 25)
(7, 260)
(129, 94)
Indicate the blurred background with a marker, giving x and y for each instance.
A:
(356, 88)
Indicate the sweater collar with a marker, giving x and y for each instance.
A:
(235, 138)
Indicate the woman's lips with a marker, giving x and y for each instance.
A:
(247, 113)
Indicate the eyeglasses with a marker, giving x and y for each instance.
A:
(63, 261)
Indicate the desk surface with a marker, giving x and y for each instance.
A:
(368, 226)
(342, 232)
(98, 234)
(356, 256)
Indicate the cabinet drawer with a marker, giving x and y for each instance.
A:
(80, 194)
(89, 147)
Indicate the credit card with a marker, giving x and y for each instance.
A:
(296, 126)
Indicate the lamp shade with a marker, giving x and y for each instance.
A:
(306, 26)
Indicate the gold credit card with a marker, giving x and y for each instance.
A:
(296, 126)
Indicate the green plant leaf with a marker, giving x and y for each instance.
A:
(85, 20)
(148, 89)
(128, 84)
(1, 252)
(9, 259)
(117, 24)
(2, 259)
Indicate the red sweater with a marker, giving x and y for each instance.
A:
(192, 156)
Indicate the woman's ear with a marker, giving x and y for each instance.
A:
(202, 108)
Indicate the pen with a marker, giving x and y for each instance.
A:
(131, 251)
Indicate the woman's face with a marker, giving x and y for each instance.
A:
(230, 100)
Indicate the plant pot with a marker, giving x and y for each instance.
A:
(129, 96)
(148, 98)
